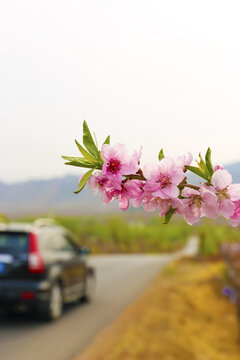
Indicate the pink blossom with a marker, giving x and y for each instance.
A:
(218, 167)
(198, 204)
(162, 205)
(235, 218)
(163, 179)
(101, 184)
(129, 190)
(182, 161)
(151, 204)
(139, 196)
(158, 189)
(192, 209)
(177, 204)
(136, 201)
(118, 163)
(209, 202)
(137, 155)
(226, 192)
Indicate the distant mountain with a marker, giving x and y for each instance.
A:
(55, 196)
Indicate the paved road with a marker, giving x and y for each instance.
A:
(121, 278)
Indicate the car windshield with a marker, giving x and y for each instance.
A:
(13, 242)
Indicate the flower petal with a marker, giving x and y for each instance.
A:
(150, 204)
(177, 177)
(221, 179)
(137, 202)
(178, 204)
(192, 214)
(218, 167)
(151, 171)
(188, 192)
(129, 166)
(226, 208)
(106, 152)
(163, 207)
(159, 193)
(166, 165)
(183, 160)
(171, 191)
(210, 205)
(137, 154)
(117, 151)
(105, 196)
(234, 192)
(123, 202)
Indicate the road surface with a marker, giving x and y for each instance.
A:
(120, 280)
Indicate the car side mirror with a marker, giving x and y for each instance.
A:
(84, 251)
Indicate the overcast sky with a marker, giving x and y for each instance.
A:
(152, 73)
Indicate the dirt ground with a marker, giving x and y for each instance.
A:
(181, 316)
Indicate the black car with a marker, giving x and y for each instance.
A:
(42, 268)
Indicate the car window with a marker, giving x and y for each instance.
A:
(14, 242)
(55, 241)
(64, 244)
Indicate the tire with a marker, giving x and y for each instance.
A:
(90, 287)
(54, 307)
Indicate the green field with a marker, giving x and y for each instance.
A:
(131, 233)
(125, 234)
(213, 234)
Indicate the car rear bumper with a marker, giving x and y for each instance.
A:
(14, 292)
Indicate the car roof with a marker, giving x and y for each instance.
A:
(28, 227)
(16, 227)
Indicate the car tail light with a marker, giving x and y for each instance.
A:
(35, 260)
(27, 295)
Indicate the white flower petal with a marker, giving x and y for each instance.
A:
(221, 179)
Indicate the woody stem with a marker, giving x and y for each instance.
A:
(135, 177)
(192, 186)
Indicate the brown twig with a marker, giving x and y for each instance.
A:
(134, 177)
(192, 186)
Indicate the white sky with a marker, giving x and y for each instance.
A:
(152, 73)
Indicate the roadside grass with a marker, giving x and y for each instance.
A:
(212, 234)
(181, 316)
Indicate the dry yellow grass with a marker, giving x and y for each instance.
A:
(182, 316)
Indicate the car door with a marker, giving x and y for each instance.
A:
(73, 266)
(78, 264)
(60, 259)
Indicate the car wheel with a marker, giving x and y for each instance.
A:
(54, 307)
(90, 287)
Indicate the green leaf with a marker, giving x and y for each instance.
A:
(75, 158)
(209, 161)
(83, 165)
(169, 214)
(83, 181)
(89, 142)
(84, 152)
(107, 141)
(80, 161)
(203, 167)
(196, 171)
(161, 155)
